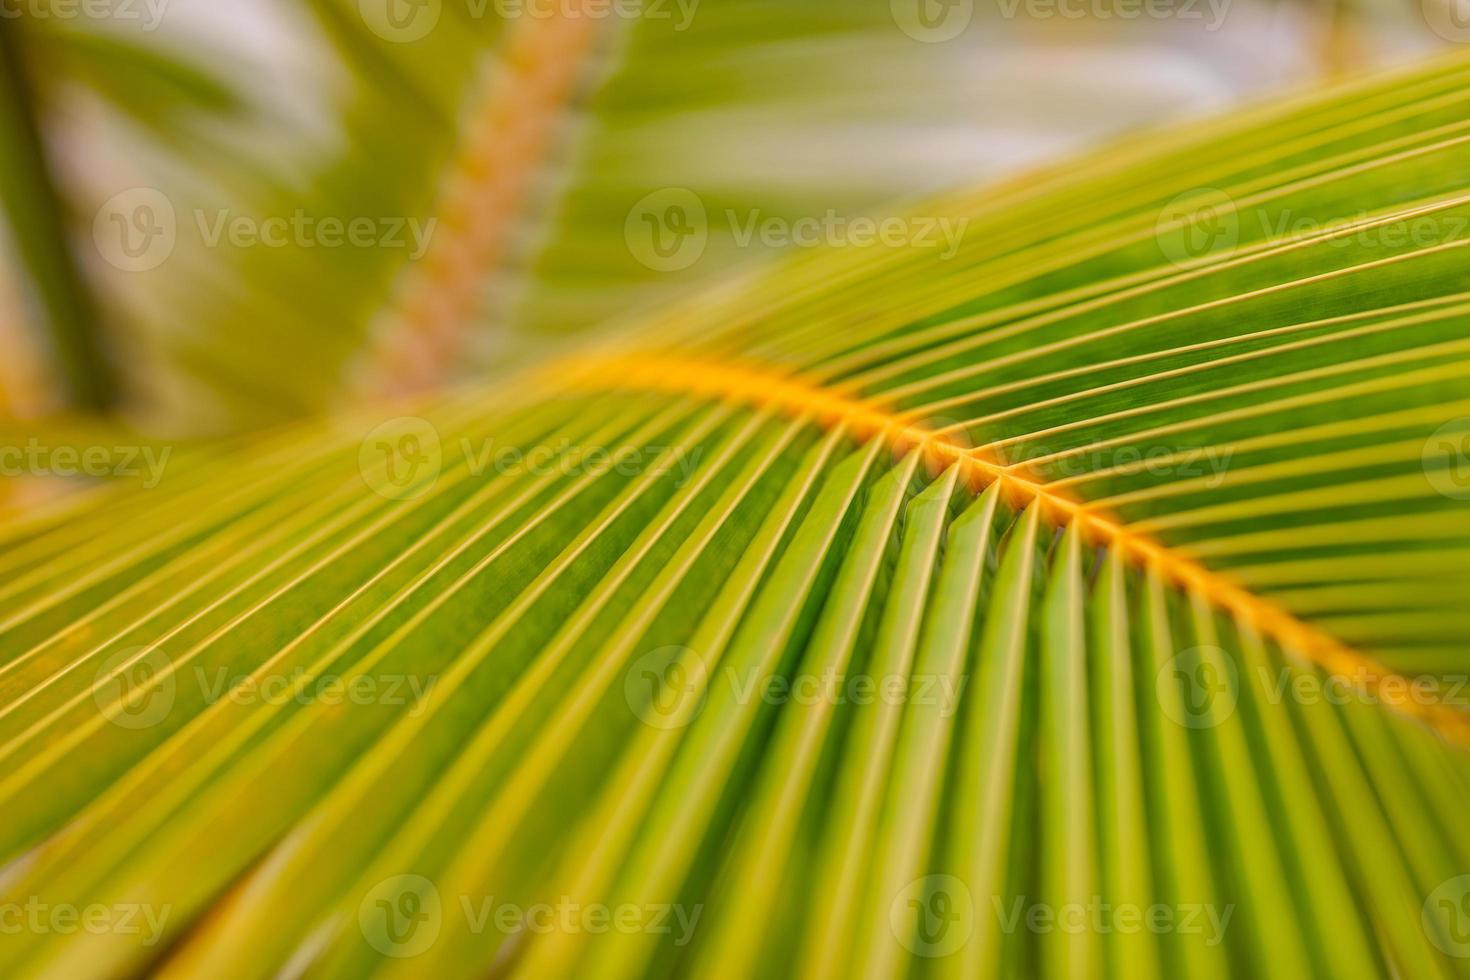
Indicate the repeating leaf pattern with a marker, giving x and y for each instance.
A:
(1085, 603)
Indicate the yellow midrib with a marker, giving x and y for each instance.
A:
(506, 137)
(767, 387)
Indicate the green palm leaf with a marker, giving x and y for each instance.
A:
(1043, 608)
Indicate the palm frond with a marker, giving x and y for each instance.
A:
(1047, 607)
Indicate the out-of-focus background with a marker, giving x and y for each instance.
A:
(224, 213)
